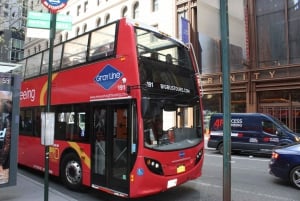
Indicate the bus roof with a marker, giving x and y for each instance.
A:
(137, 23)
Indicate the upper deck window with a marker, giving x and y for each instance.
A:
(159, 47)
(103, 42)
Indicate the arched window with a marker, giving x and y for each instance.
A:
(135, 13)
(125, 12)
(154, 5)
(77, 31)
(84, 28)
(107, 18)
(66, 35)
(98, 22)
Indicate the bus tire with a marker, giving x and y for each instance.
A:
(71, 171)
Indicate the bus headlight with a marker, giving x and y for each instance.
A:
(199, 156)
(154, 166)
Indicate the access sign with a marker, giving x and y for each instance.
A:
(54, 5)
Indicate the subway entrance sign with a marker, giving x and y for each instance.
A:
(42, 21)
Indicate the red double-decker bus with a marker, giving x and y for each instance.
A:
(127, 104)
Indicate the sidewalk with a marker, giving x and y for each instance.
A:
(28, 189)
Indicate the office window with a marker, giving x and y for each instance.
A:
(136, 10)
(278, 25)
(78, 10)
(86, 6)
(154, 5)
(107, 18)
(66, 35)
(77, 31)
(84, 28)
(125, 12)
(98, 22)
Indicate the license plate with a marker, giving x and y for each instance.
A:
(180, 169)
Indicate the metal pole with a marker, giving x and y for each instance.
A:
(226, 101)
(51, 40)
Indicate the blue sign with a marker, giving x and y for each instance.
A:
(140, 172)
(108, 77)
(54, 5)
(181, 154)
(185, 30)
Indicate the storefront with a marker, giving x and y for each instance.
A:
(275, 91)
(264, 49)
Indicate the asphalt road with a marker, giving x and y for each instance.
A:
(250, 181)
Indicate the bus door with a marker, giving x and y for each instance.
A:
(110, 158)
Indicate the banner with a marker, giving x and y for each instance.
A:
(185, 30)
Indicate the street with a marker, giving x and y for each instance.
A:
(250, 181)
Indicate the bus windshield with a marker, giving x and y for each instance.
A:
(171, 109)
(169, 126)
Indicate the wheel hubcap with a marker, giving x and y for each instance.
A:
(73, 172)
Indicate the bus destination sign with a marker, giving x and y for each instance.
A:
(54, 5)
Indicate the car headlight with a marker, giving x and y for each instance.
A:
(297, 139)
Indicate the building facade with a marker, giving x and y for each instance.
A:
(90, 14)
(264, 58)
(12, 30)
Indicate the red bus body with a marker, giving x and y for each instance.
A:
(119, 91)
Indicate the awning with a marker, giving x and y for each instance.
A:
(7, 67)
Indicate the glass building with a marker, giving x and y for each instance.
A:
(264, 58)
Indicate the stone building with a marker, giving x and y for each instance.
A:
(264, 57)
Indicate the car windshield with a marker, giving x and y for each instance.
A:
(171, 126)
(281, 123)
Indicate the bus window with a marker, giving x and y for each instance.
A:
(102, 42)
(81, 123)
(75, 51)
(33, 66)
(56, 59)
(26, 121)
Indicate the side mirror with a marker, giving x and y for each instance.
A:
(278, 132)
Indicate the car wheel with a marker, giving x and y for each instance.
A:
(221, 148)
(295, 176)
(71, 171)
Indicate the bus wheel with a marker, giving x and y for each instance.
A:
(221, 148)
(71, 171)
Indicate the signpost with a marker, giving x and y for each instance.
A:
(53, 6)
(226, 101)
(42, 21)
